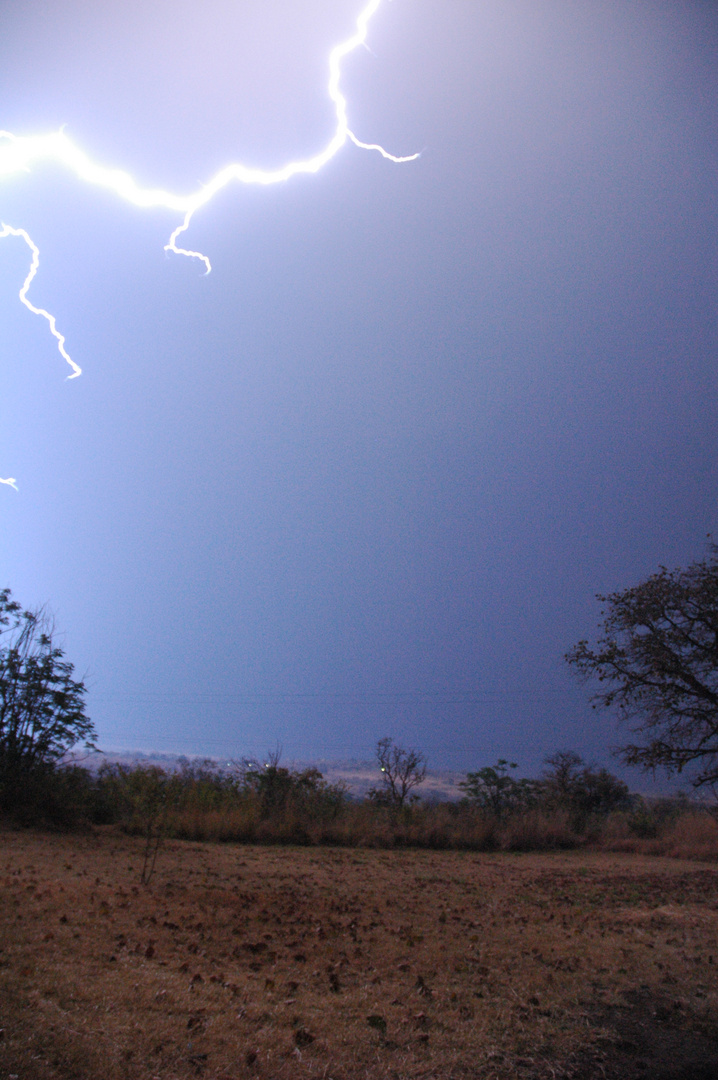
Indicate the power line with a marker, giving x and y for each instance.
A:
(297, 699)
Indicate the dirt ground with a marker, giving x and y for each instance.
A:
(240, 962)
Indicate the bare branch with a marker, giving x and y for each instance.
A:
(657, 664)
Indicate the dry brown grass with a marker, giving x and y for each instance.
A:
(241, 962)
(692, 835)
(357, 825)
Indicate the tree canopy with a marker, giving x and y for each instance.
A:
(567, 783)
(42, 707)
(657, 663)
(493, 788)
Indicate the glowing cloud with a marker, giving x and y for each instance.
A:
(18, 153)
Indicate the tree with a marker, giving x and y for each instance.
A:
(278, 788)
(42, 708)
(401, 771)
(494, 789)
(562, 777)
(658, 660)
(583, 789)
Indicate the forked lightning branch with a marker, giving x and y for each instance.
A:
(19, 153)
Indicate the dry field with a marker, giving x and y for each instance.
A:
(267, 963)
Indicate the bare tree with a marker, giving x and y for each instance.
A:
(401, 771)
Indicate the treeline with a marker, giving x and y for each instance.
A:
(658, 637)
(570, 805)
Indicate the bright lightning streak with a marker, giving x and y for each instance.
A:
(7, 230)
(19, 153)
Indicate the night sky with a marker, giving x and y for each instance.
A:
(366, 477)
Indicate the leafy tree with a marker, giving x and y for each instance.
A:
(42, 707)
(658, 660)
(276, 787)
(401, 771)
(493, 788)
(583, 789)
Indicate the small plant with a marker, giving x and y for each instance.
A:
(143, 796)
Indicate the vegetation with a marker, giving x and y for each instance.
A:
(494, 790)
(657, 659)
(401, 771)
(42, 717)
(278, 790)
(585, 791)
(572, 805)
(333, 961)
(42, 714)
(252, 963)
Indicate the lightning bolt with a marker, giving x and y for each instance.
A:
(18, 153)
(7, 230)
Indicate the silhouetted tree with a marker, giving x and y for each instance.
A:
(401, 771)
(493, 788)
(585, 790)
(658, 660)
(42, 707)
(276, 787)
(562, 776)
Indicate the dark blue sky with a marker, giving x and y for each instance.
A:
(365, 478)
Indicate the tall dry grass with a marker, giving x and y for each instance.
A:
(436, 827)
(692, 834)
(281, 807)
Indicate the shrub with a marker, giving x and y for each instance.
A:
(50, 797)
